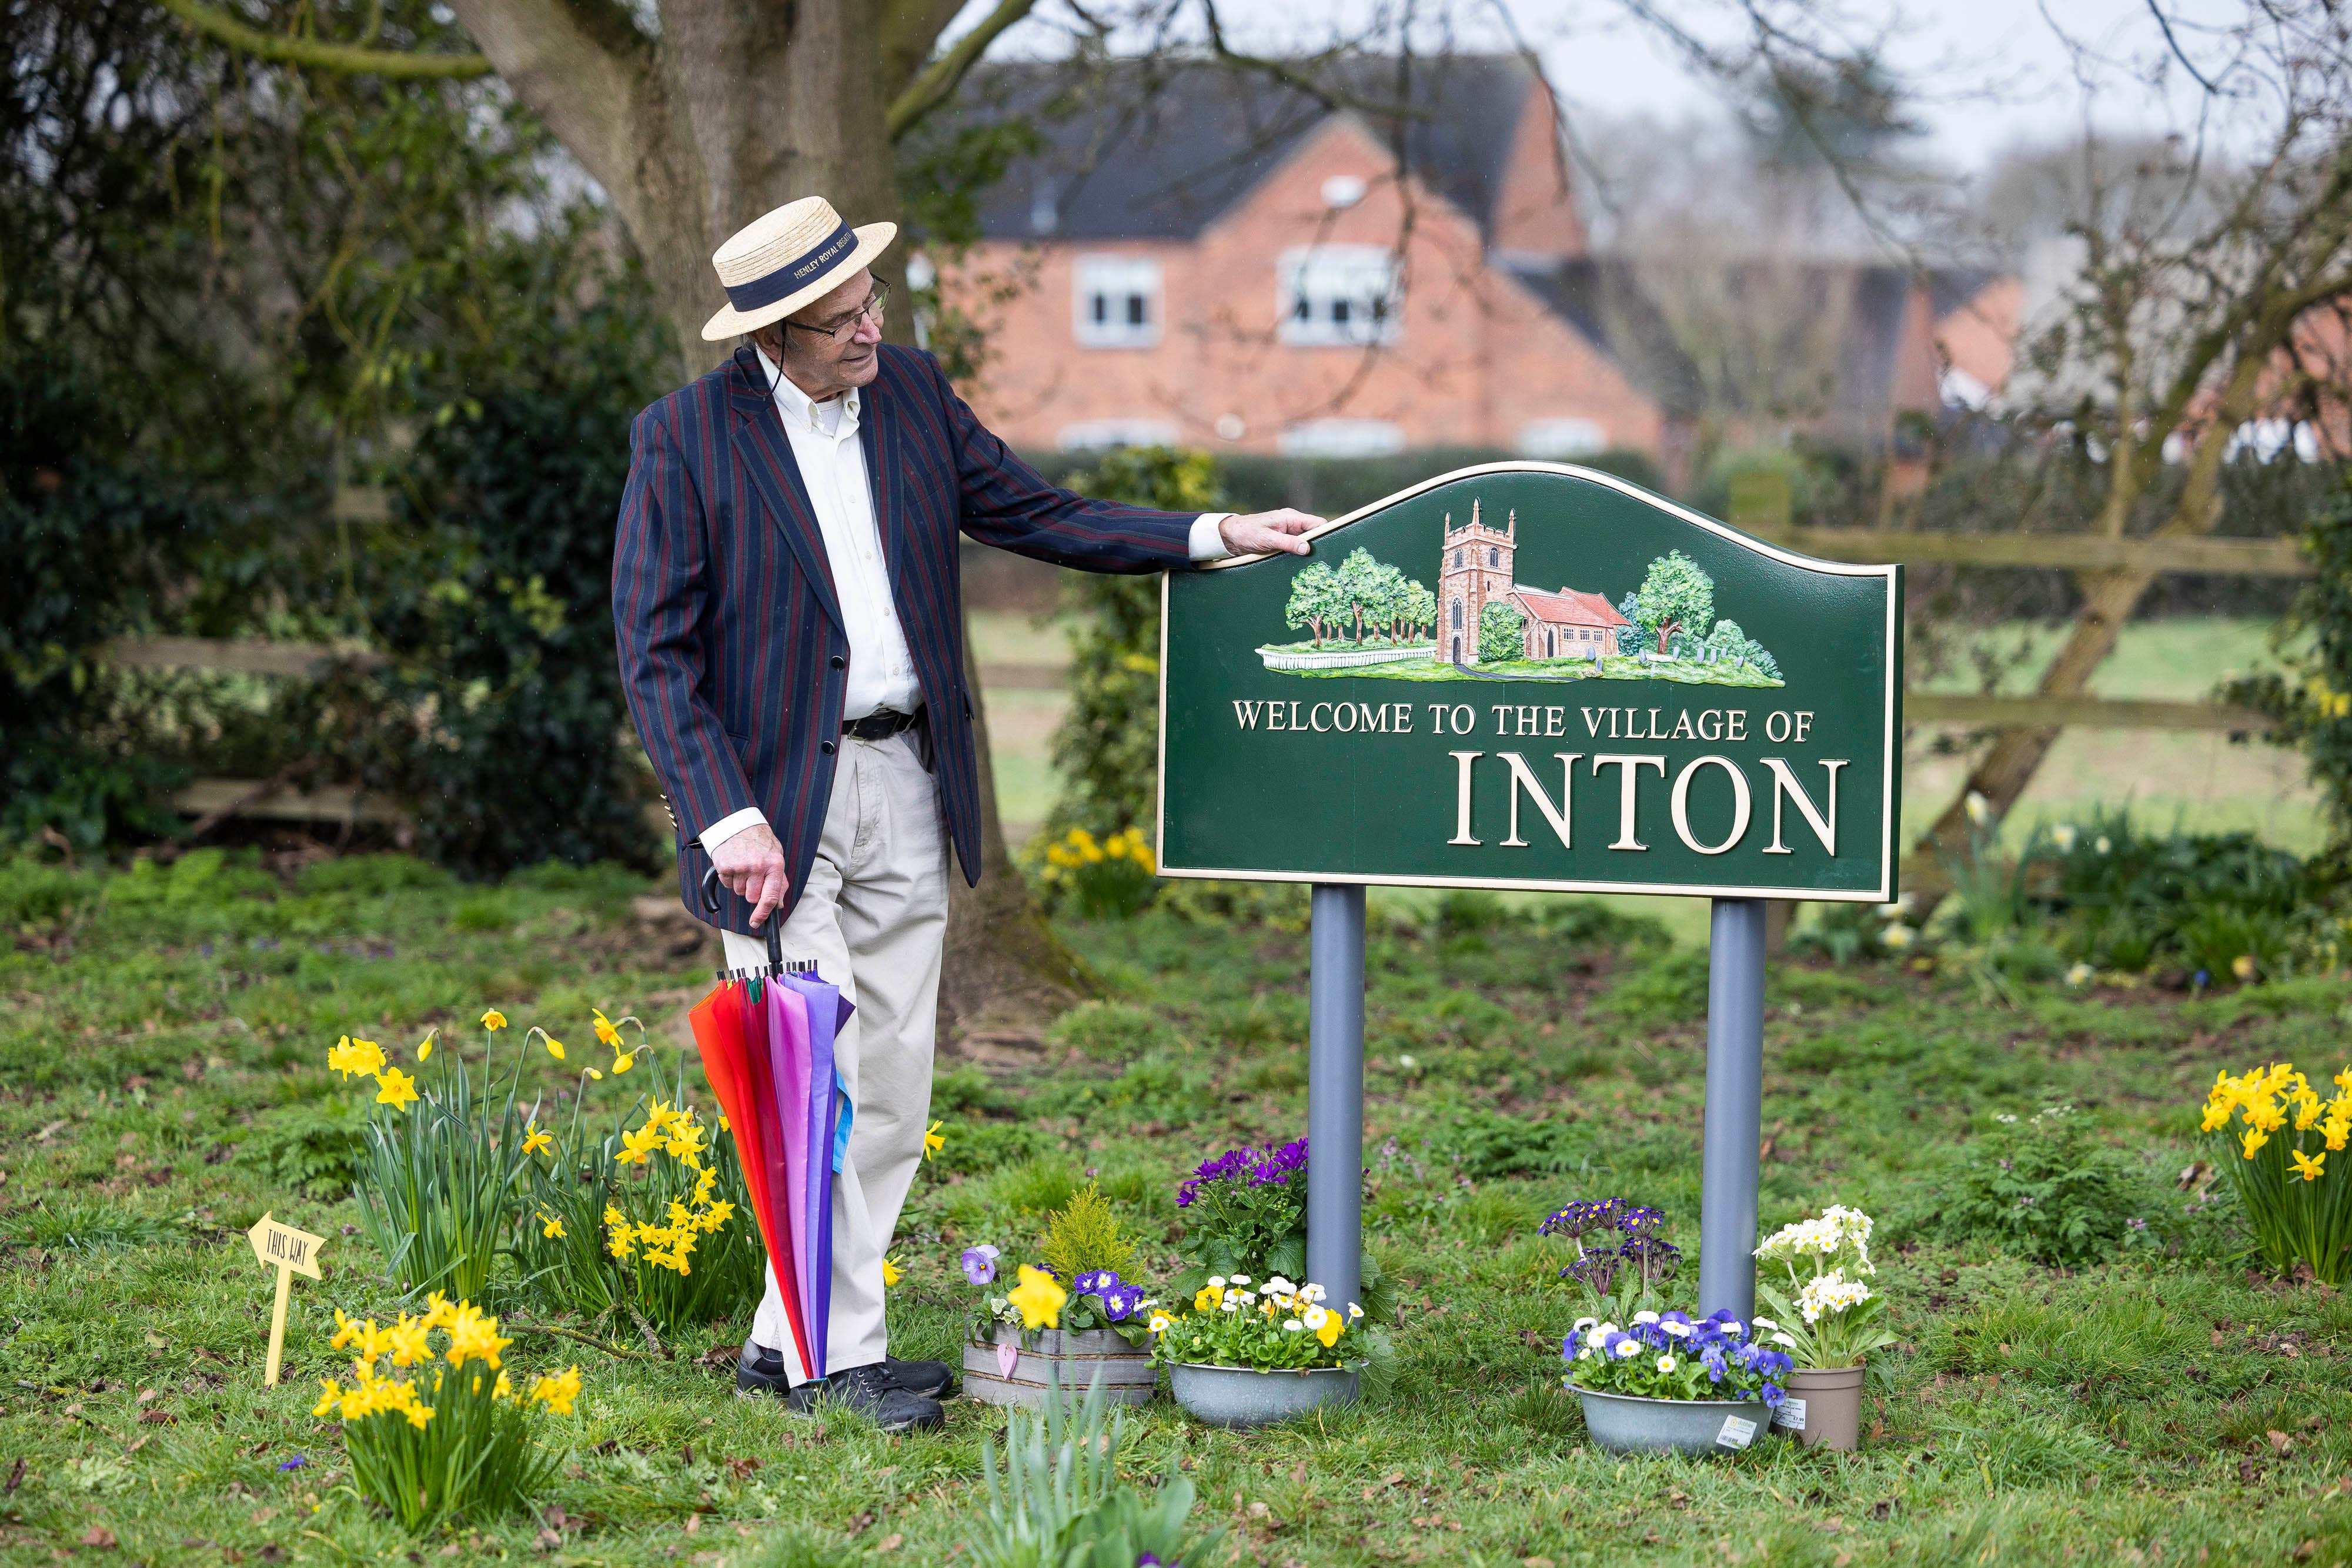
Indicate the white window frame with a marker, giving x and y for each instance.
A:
(1563, 436)
(1111, 435)
(1352, 296)
(1117, 283)
(1337, 437)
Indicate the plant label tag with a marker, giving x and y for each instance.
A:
(1738, 1432)
(291, 1252)
(1008, 1356)
(1791, 1414)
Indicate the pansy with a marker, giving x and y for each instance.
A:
(980, 1263)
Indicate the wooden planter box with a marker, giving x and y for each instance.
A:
(1075, 1359)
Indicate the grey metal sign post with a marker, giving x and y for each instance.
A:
(1734, 1107)
(1335, 1092)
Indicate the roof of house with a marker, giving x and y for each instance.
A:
(1160, 149)
(1568, 607)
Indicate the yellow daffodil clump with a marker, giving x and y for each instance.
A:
(440, 1443)
(1108, 877)
(2276, 1153)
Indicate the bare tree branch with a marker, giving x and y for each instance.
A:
(942, 76)
(318, 54)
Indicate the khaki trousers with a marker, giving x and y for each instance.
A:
(873, 915)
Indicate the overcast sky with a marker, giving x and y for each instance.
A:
(1988, 73)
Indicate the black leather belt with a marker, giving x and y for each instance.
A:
(882, 724)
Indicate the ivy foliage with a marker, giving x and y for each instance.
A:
(1106, 748)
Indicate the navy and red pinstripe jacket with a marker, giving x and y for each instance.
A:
(732, 644)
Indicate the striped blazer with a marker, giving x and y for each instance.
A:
(732, 643)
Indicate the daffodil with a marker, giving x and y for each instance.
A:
(355, 1058)
(2216, 1116)
(494, 1020)
(2308, 1166)
(636, 1147)
(537, 1140)
(558, 1393)
(660, 1114)
(425, 1046)
(554, 1046)
(622, 1061)
(890, 1274)
(2254, 1141)
(551, 1227)
(395, 1089)
(605, 1030)
(932, 1142)
(1038, 1297)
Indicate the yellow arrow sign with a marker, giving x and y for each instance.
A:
(291, 1252)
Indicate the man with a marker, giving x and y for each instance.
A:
(785, 586)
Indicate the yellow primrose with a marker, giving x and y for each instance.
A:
(537, 1140)
(494, 1020)
(1038, 1297)
(2254, 1141)
(932, 1142)
(397, 1089)
(1207, 1299)
(1333, 1326)
(2308, 1166)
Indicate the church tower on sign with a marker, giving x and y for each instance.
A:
(1473, 572)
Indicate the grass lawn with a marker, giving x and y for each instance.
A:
(162, 1041)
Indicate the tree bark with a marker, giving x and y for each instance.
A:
(739, 106)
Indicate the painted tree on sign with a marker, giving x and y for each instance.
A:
(1419, 614)
(1676, 596)
(1314, 600)
(1361, 590)
(1501, 633)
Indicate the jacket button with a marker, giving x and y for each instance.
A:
(839, 662)
(825, 746)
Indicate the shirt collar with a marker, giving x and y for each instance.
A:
(799, 410)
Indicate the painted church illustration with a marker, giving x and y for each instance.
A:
(1474, 570)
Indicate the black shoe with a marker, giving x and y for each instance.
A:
(760, 1370)
(868, 1391)
(929, 1379)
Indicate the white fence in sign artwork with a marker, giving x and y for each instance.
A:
(1339, 658)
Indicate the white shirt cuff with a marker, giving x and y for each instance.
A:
(1206, 543)
(726, 827)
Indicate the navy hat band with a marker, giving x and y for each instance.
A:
(814, 266)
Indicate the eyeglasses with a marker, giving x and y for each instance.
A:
(873, 306)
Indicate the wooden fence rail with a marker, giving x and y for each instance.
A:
(2069, 552)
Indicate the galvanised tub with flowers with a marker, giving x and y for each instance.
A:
(1669, 1383)
(1248, 1357)
(1025, 1340)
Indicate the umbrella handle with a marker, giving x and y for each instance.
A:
(776, 917)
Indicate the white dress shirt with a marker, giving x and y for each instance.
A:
(831, 462)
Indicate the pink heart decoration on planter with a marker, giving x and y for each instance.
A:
(1008, 1356)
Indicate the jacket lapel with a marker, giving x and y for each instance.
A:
(767, 454)
(877, 433)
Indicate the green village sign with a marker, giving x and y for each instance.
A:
(1535, 677)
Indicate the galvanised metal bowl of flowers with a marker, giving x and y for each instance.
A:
(1669, 1383)
(1250, 1354)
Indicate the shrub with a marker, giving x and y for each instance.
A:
(1502, 633)
(1082, 1236)
(2312, 699)
(2044, 1185)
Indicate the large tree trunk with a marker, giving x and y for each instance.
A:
(738, 107)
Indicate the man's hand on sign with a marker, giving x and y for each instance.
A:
(1261, 533)
(752, 864)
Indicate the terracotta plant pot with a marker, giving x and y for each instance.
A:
(1833, 1398)
(1011, 1372)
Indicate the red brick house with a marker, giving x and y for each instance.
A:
(1207, 258)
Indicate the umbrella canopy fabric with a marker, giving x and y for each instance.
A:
(736, 1059)
(828, 1126)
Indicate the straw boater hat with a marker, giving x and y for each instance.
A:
(799, 253)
